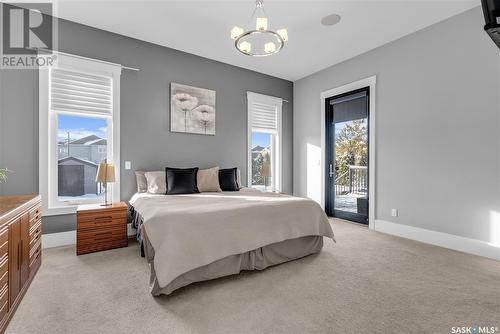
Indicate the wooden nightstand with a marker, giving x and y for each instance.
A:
(101, 227)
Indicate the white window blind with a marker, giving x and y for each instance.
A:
(264, 116)
(78, 92)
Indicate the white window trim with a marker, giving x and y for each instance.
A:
(277, 167)
(48, 176)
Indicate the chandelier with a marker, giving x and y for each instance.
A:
(261, 41)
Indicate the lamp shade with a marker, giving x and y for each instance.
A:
(105, 173)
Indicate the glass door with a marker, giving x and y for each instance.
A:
(347, 131)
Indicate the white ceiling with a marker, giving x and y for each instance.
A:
(202, 27)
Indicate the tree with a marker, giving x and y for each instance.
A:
(259, 165)
(351, 148)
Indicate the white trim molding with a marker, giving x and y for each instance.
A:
(370, 82)
(58, 239)
(454, 242)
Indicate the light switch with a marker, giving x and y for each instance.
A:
(128, 165)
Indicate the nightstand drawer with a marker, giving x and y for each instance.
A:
(101, 219)
(103, 223)
(100, 246)
(107, 234)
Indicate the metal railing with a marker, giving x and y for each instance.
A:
(354, 181)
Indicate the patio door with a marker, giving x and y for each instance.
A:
(347, 128)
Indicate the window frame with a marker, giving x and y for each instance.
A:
(276, 140)
(48, 144)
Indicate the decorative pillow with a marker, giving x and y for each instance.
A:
(208, 180)
(142, 182)
(181, 181)
(228, 179)
(156, 182)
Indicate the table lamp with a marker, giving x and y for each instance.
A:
(105, 175)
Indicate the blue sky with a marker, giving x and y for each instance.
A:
(80, 127)
(261, 139)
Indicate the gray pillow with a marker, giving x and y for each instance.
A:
(208, 180)
(142, 183)
(157, 183)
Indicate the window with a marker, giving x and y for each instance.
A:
(79, 129)
(264, 142)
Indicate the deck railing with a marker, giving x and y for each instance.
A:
(354, 181)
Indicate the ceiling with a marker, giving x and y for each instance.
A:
(202, 27)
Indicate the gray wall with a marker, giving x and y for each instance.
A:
(145, 136)
(437, 127)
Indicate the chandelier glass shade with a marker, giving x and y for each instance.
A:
(260, 40)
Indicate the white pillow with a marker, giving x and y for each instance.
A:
(238, 178)
(208, 180)
(142, 183)
(157, 184)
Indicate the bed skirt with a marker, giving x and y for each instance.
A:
(257, 259)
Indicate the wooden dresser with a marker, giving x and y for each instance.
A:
(20, 250)
(101, 227)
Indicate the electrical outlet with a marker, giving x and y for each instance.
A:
(128, 165)
(394, 212)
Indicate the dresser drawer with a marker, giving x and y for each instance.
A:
(35, 246)
(4, 251)
(4, 235)
(4, 266)
(4, 280)
(4, 301)
(36, 212)
(4, 244)
(35, 233)
(35, 256)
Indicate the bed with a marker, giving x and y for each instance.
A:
(198, 237)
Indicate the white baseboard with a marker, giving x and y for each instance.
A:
(58, 239)
(69, 238)
(455, 242)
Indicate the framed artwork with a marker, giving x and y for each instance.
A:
(192, 109)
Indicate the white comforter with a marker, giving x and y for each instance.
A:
(190, 231)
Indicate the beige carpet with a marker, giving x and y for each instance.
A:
(366, 283)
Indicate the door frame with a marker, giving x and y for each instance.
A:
(370, 82)
(330, 157)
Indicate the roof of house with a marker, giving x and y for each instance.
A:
(257, 148)
(82, 161)
(88, 140)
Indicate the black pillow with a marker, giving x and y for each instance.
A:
(228, 179)
(181, 181)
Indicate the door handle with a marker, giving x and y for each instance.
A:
(331, 170)
(18, 256)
